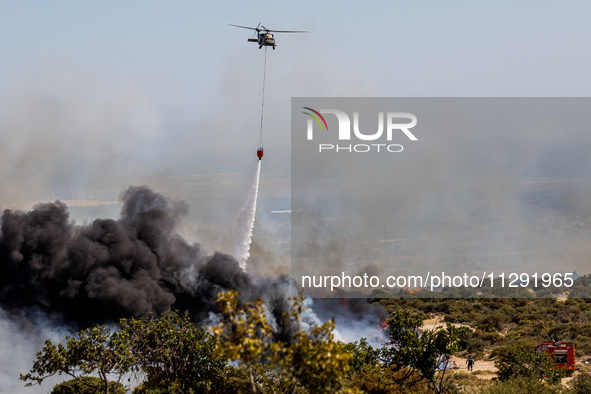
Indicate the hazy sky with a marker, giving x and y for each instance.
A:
(200, 79)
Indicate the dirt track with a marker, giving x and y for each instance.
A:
(437, 321)
(458, 362)
(478, 365)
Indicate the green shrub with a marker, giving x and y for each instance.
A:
(375, 380)
(363, 355)
(477, 347)
(582, 346)
(492, 322)
(86, 385)
(571, 302)
(523, 362)
(500, 351)
(491, 337)
(521, 385)
(581, 384)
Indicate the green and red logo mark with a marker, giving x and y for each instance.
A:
(315, 118)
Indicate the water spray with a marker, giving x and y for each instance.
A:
(245, 222)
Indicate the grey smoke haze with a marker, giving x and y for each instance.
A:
(72, 130)
(491, 185)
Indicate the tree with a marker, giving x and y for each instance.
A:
(362, 355)
(419, 354)
(174, 353)
(311, 360)
(86, 385)
(314, 361)
(96, 350)
(267, 380)
(527, 363)
(245, 333)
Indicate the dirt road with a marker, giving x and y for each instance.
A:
(460, 363)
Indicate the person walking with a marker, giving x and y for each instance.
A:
(470, 362)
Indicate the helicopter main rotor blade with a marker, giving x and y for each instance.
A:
(246, 27)
(287, 31)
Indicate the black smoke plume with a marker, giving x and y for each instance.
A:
(81, 275)
(108, 269)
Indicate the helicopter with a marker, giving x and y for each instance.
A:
(265, 38)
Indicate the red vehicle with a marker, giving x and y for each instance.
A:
(563, 354)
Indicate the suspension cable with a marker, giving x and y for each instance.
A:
(263, 101)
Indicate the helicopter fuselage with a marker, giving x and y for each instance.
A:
(264, 40)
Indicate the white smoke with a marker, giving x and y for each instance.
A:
(19, 342)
